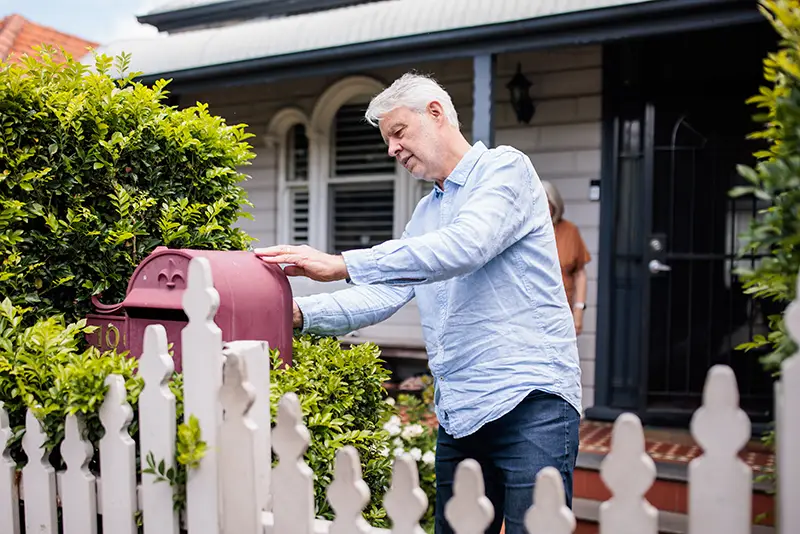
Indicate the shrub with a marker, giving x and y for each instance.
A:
(776, 180)
(96, 172)
(342, 398)
(43, 369)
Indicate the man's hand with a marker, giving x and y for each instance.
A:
(305, 261)
(297, 315)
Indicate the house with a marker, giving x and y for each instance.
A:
(639, 118)
(19, 36)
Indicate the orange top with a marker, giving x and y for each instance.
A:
(572, 254)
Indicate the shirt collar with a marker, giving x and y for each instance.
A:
(464, 168)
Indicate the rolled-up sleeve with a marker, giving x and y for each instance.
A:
(343, 311)
(498, 212)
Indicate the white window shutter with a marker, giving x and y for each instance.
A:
(362, 215)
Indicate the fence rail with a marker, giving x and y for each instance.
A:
(235, 489)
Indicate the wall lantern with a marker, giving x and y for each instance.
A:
(520, 99)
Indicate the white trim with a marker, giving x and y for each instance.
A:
(277, 131)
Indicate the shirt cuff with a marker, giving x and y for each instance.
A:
(362, 267)
(306, 305)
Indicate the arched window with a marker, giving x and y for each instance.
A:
(296, 183)
(361, 183)
(288, 135)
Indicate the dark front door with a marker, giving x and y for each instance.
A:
(677, 125)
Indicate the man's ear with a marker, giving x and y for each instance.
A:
(436, 111)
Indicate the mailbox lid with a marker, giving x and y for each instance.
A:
(255, 299)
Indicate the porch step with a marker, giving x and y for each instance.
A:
(671, 450)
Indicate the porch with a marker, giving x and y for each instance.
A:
(322, 176)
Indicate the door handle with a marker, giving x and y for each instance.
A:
(656, 267)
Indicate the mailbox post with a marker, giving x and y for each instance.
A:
(255, 302)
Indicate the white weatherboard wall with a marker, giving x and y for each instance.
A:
(563, 142)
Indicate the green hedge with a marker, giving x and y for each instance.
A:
(97, 171)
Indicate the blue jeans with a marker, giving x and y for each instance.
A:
(541, 431)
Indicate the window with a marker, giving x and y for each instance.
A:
(297, 183)
(358, 146)
(361, 194)
(362, 215)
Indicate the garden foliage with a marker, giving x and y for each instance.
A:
(96, 170)
(775, 179)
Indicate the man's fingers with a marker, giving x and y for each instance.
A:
(293, 270)
(282, 258)
(280, 250)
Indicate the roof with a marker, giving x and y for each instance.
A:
(182, 15)
(18, 36)
(176, 5)
(363, 23)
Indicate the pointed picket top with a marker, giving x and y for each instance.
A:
(549, 513)
(241, 509)
(469, 511)
(293, 490)
(720, 427)
(117, 456)
(78, 487)
(40, 480)
(9, 503)
(787, 438)
(157, 427)
(720, 483)
(200, 299)
(201, 361)
(628, 472)
(348, 494)
(405, 502)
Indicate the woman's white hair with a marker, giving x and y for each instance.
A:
(414, 91)
(555, 200)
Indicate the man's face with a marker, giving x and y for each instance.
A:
(414, 140)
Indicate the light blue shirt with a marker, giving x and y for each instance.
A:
(480, 257)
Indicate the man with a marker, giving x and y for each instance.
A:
(479, 255)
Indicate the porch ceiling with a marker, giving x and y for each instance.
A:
(239, 53)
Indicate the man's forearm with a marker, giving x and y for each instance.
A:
(343, 311)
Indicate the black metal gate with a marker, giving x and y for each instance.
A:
(675, 304)
(698, 313)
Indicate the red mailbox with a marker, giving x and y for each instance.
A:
(255, 302)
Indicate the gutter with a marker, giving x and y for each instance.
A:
(570, 29)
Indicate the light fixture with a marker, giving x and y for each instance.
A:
(520, 98)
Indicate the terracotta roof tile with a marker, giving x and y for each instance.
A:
(18, 36)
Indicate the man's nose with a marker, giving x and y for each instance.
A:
(394, 149)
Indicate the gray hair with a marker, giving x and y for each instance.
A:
(414, 91)
(555, 200)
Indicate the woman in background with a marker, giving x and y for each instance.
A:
(572, 254)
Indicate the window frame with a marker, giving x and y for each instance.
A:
(319, 131)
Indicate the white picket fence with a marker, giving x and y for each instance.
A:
(235, 490)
